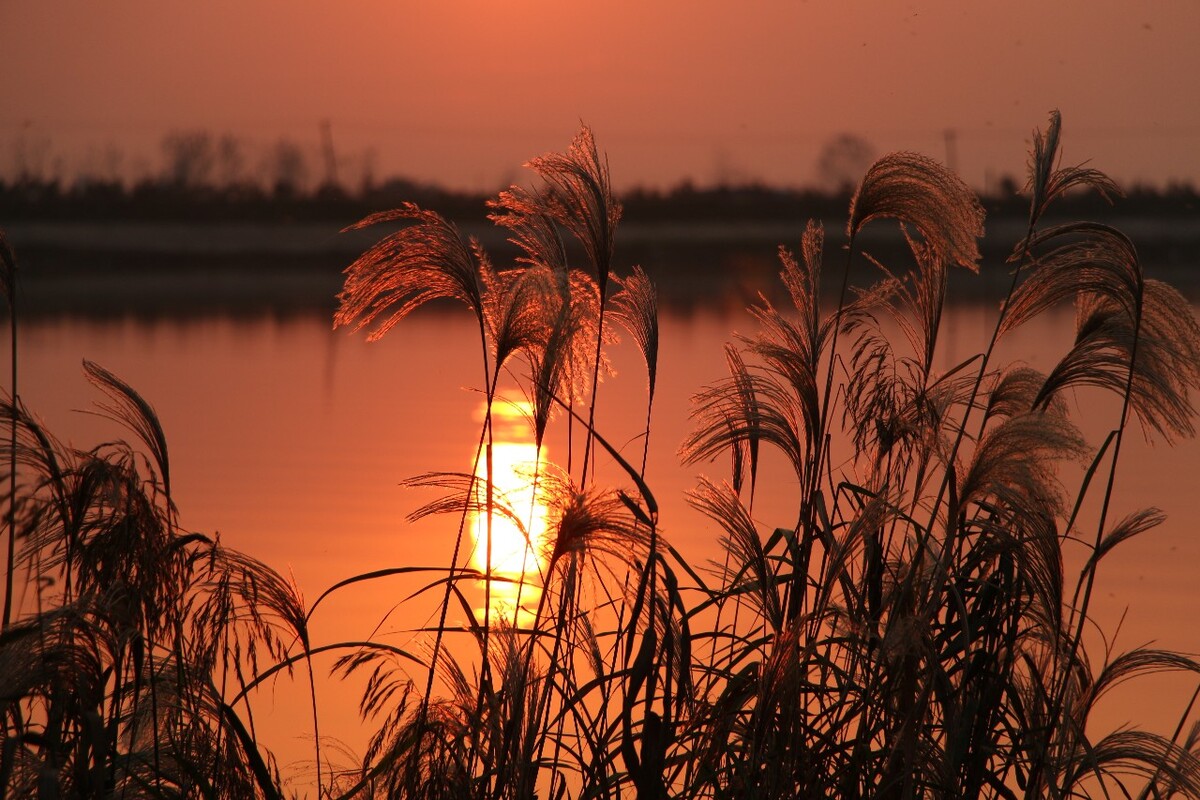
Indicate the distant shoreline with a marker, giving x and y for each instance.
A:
(146, 268)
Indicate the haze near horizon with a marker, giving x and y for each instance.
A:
(459, 92)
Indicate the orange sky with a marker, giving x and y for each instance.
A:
(463, 91)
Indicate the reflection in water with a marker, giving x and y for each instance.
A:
(518, 522)
(325, 505)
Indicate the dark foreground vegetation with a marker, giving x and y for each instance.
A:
(910, 630)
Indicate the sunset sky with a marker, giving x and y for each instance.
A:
(463, 91)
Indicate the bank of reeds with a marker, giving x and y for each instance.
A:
(910, 630)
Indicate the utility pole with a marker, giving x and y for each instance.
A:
(951, 149)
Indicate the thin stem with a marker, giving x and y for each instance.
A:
(423, 711)
(653, 538)
(12, 465)
(949, 472)
(566, 606)
(591, 426)
(794, 597)
(1079, 614)
(490, 508)
(312, 696)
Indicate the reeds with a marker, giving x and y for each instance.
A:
(120, 681)
(910, 630)
(928, 644)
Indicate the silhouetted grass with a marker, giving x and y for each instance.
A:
(911, 630)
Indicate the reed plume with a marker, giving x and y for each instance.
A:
(424, 261)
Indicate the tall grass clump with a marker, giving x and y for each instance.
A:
(561, 689)
(912, 629)
(916, 625)
(123, 676)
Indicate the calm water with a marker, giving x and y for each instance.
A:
(290, 440)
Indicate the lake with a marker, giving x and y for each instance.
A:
(290, 440)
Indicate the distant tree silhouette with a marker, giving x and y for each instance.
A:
(286, 168)
(231, 161)
(842, 161)
(190, 156)
(31, 156)
(102, 165)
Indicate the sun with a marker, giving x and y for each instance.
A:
(518, 531)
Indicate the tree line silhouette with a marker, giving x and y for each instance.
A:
(218, 177)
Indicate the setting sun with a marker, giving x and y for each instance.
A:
(519, 522)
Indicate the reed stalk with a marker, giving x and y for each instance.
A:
(8, 280)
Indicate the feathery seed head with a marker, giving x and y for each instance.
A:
(578, 197)
(635, 307)
(597, 523)
(920, 192)
(423, 261)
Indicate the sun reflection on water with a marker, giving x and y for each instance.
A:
(518, 522)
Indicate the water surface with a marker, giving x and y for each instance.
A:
(290, 441)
